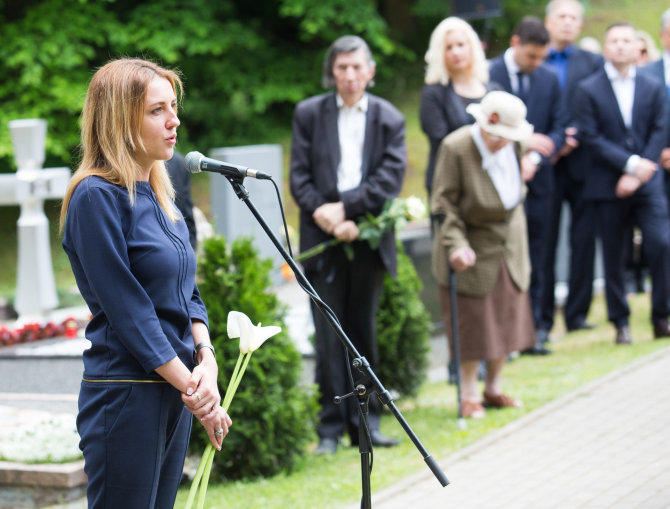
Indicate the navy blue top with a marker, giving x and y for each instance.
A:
(136, 271)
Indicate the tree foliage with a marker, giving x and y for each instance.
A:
(245, 64)
(403, 330)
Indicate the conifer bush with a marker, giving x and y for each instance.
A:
(403, 330)
(273, 416)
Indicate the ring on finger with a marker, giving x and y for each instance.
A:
(198, 395)
(219, 432)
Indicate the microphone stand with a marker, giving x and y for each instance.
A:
(359, 362)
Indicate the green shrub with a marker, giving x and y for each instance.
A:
(403, 330)
(273, 417)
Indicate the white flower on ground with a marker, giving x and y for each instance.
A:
(251, 336)
(53, 440)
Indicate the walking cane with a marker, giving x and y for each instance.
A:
(455, 340)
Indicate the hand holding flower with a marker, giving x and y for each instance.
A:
(329, 215)
(346, 231)
(219, 420)
(206, 398)
(251, 338)
(369, 228)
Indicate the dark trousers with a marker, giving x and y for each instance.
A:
(649, 211)
(134, 438)
(582, 252)
(538, 212)
(352, 289)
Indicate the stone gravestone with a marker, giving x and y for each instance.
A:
(29, 187)
(232, 218)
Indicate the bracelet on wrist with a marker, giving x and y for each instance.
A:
(199, 347)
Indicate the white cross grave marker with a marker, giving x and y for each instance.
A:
(29, 187)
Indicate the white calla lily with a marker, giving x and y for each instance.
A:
(251, 336)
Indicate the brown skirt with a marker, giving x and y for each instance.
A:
(493, 326)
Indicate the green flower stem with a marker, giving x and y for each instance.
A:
(318, 249)
(205, 479)
(198, 475)
(227, 399)
(236, 383)
(201, 479)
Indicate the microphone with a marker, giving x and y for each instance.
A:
(196, 162)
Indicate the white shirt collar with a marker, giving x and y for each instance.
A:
(502, 167)
(614, 75)
(361, 105)
(510, 63)
(481, 145)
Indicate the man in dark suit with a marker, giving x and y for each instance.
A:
(661, 70)
(520, 70)
(348, 158)
(564, 22)
(622, 120)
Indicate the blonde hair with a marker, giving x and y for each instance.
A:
(111, 126)
(649, 45)
(435, 69)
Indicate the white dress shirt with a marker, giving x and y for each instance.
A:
(666, 68)
(513, 71)
(624, 90)
(351, 132)
(503, 168)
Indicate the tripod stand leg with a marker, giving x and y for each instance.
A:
(365, 449)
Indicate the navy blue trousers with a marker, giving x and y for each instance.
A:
(582, 252)
(538, 217)
(134, 438)
(649, 211)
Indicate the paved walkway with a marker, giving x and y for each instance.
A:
(605, 445)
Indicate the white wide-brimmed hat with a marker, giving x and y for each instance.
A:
(502, 114)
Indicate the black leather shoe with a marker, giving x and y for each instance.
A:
(580, 326)
(538, 349)
(661, 329)
(378, 440)
(326, 446)
(623, 336)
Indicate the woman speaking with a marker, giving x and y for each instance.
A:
(150, 359)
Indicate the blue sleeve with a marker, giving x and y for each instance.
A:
(196, 307)
(94, 227)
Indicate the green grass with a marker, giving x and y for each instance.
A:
(327, 482)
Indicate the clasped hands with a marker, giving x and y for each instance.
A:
(203, 400)
(630, 182)
(331, 218)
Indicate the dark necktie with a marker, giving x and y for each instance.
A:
(522, 92)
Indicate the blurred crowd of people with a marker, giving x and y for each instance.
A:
(599, 143)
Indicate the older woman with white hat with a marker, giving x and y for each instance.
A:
(478, 192)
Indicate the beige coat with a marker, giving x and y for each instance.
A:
(474, 216)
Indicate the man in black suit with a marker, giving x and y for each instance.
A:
(181, 181)
(520, 70)
(348, 158)
(564, 22)
(622, 120)
(661, 70)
